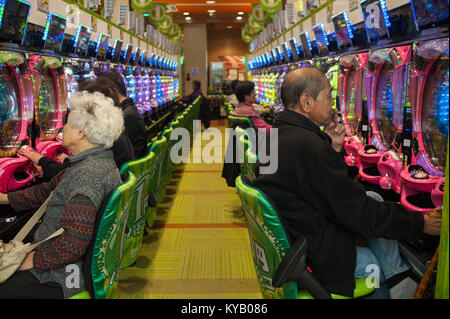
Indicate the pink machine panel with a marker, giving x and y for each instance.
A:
(381, 159)
(16, 114)
(50, 103)
(423, 179)
(350, 86)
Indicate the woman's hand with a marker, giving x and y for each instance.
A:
(35, 157)
(27, 263)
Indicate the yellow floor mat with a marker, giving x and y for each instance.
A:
(198, 247)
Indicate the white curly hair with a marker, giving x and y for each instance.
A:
(96, 115)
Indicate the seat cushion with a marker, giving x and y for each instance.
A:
(361, 290)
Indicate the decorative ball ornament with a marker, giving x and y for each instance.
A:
(142, 5)
(253, 24)
(245, 36)
(157, 13)
(260, 15)
(271, 6)
(166, 24)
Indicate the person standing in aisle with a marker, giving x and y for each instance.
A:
(317, 200)
(134, 122)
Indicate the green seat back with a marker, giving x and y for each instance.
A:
(249, 164)
(105, 259)
(160, 148)
(268, 240)
(169, 164)
(140, 210)
(241, 121)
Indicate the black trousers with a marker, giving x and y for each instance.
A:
(23, 285)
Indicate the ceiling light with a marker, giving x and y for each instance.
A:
(211, 11)
(229, 27)
(210, 2)
(240, 13)
(238, 18)
(186, 13)
(188, 18)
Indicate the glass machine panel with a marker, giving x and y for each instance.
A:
(10, 115)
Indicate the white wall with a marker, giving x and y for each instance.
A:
(195, 55)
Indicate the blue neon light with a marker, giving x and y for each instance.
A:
(348, 25)
(47, 26)
(385, 13)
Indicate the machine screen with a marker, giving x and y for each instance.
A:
(342, 30)
(10, 118)
(352, 119)
(82, 40)
(102, 45)
(128, 53)
(306, 45)
(429, 11)
(321, 39)
(13, 21)
(435, 113)
(376, 19)
(117, 49)
(54, 33)
(48, 111)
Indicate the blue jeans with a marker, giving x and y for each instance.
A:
(382, 258)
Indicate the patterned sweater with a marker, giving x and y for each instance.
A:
(78, 193)
(78, 220)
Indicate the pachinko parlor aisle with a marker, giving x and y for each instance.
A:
(303, 157)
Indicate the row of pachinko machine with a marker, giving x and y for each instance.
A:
(41, 66)
(394, 102)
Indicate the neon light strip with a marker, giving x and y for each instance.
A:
(2, 10)
(349, 26)
(385, 13)
(325, 36)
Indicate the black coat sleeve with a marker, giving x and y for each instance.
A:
(50, 168)
(345, 202)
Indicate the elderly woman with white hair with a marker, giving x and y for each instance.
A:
(94, 123)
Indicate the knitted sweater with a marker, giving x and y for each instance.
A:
(78, 193)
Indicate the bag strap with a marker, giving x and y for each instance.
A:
(32, 221)
(55, 234)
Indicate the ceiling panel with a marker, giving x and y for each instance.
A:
(226, 12)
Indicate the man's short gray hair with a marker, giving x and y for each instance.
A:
(307, 80)
(96, 115)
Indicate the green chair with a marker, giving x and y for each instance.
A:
(143, 206)
(169, 165)
(160, 148)
(279, 267)
(103, 258)
(241, 121)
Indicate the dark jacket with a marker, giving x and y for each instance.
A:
(315, 198)
(122, 152)
(189, 99)
(134, 127)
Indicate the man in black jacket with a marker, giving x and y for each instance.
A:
(133, 121)
(315, 197)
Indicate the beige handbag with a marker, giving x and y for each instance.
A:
(13, 253)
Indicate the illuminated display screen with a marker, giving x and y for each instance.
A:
(429, 11)
(295, 49)
(321, 38)
(117, 49)
(376, 19)
(268, 58)
(275, 55)
(102, 45)
(13, 20)
(281, 54)
(306, 44)
(143, 57)
(127, 53)
(343, 30)
(137, 55)
(287, 51)
(54, 32)
(82, 40)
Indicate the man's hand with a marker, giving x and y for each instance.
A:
(35, 157)
(336, 131)
(61, 157)
(432, 222)
(27, 263)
